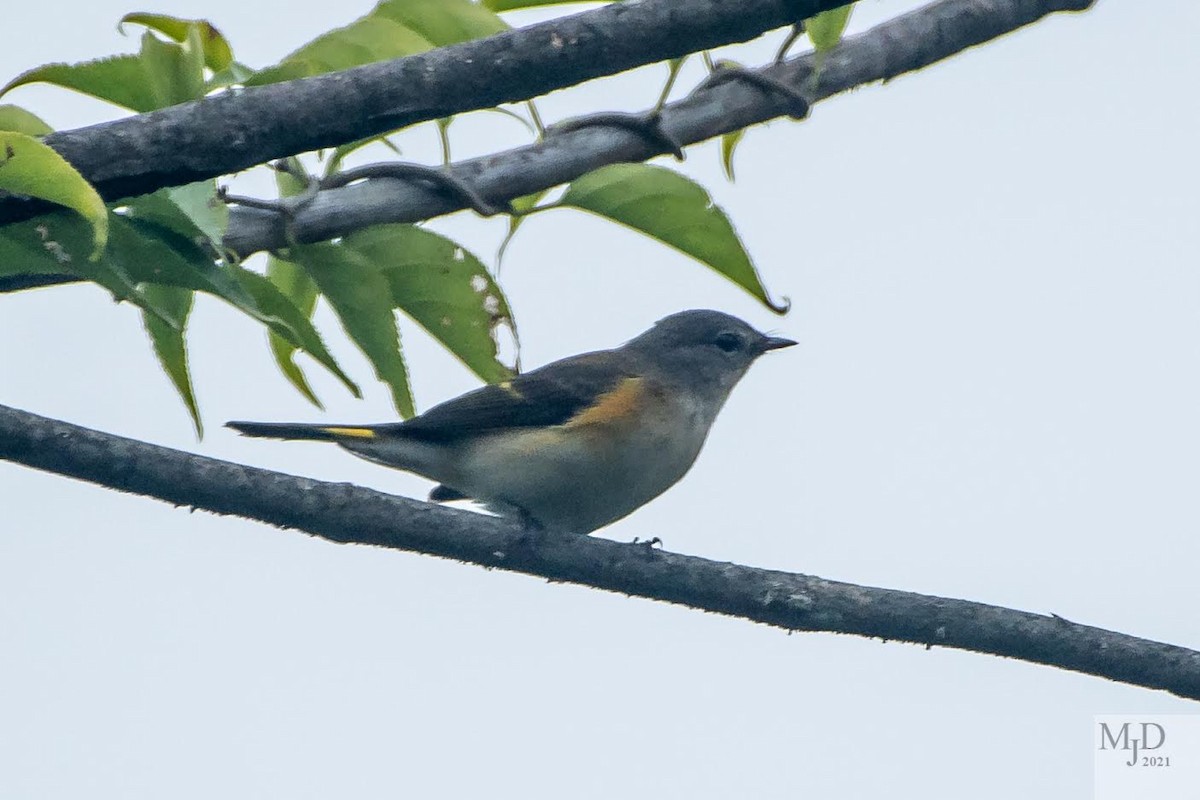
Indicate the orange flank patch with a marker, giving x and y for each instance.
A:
(351, 433)
(614, 406)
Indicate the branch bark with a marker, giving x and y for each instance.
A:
(236, 130)
(345, 513)
(905, 44)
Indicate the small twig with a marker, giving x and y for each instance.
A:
(795, 33)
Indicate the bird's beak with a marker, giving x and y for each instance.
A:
(776, 343)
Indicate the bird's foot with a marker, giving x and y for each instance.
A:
(648, 543)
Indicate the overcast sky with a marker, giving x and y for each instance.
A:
(994, 277)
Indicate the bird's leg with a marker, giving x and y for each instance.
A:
(648, 543)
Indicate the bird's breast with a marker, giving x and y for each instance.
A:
(629, 447)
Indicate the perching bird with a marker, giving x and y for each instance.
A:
(578, 443)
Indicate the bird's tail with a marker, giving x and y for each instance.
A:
(293, 430)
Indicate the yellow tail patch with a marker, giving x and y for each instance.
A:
(351, 433)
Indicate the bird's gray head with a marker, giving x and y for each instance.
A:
(711, 346)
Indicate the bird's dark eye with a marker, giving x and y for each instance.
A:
(728, 341)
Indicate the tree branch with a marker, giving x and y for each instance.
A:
(236, 130)
(905, 44)
(345, 513)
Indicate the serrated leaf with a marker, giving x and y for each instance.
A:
(362, 42)
(825, 29)
(29, 167)
(193, 211)
(141, 255)
(152, 254)
(444, 288)
(291, 323)
(296, 286)
(162, 74)
(675, 210)
(15, 118)
(443, 22)
(394, 28)
(176, 72)
(170, 346)
(117, 79)
(218, 55)
(729, 143)
(59, 244)
(361, 297)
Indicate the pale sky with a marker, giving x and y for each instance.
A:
(995, 286)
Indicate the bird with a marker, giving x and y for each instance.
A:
(578, 443)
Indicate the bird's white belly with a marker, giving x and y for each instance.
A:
(582, 479)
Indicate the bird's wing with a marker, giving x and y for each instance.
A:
(570, 390)
(551, 395)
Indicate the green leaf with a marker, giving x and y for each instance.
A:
(296, 286)
(825, 29)
(28, 167)
(288, 322)
(444, 288)
(176, 72)
(15, 118)
(236, 72)
(29, 248)
(141, 255)
(151, 254)
(162, 74)
(394, 28)
(361, 297)
(170, 346)
(289, 290)
(729, 143)
(443, 22)
(193, 211)
(119, 80)
(673, 209)
(218, 55)
(58, 244)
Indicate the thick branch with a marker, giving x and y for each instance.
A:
(904, 44)
(346, 513)
(236, 130)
